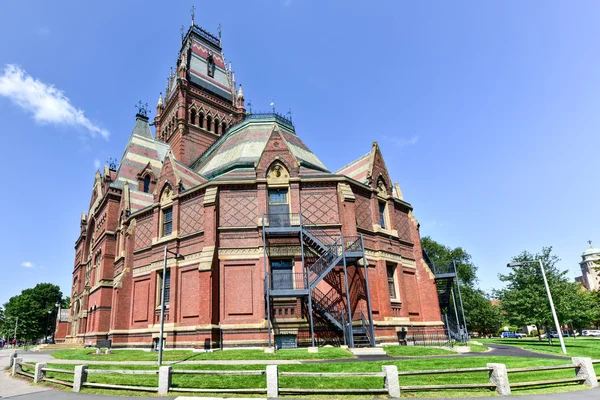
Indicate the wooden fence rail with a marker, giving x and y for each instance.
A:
(497, 373)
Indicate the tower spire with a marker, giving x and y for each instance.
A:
(192, 12)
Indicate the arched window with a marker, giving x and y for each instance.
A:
(216, 126)
(208, 123)
(193, 117)
(201, 120)
(223, 127)
(146, 183)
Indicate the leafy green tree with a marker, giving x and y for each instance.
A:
(524, 299)
(1, 320)
(480, 314)
(31, 308)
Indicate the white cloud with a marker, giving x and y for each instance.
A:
(47, 104)
(402, 142)
(27, 264)
(97, 164)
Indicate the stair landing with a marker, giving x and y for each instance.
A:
(368, 351)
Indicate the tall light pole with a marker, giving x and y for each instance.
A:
(558, 329)
(47, 323)
(162, 301)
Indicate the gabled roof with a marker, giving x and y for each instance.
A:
(141, 150)
(244, 144)
(183, 174)
(358, 169)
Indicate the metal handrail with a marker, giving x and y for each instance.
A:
(353, 244)
(281, 220)
(314, 229)
(366, 325)
(286, 280)
(325, 260)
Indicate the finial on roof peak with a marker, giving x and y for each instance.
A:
(142, 109)
(590, 243)
(240, 93)
(160, 100)
(192, 12)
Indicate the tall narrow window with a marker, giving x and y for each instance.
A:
(193, 117)
(146, 183)
(216, 126)
(208, 123)
(201, 120)
(282, 276)
(167, 221)
(223, 127)
(391, 282)
(159, 291)
(382, 215)
(278, 208)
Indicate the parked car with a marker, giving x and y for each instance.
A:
(511, 335)
(591, 332)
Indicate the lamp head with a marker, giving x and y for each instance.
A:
(179, 257)
(514, 264)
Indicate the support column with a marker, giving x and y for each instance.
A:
(350, 333)
(272, 382)
(16, 367)
(39, 373)
(499, 377)
(391, 381)
(79, 378)
(585, 370)
(369, 307)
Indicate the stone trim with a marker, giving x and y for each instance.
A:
(210, 196)
(206, 258)
(378, 255)
(346, 192)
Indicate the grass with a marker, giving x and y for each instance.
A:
(325, 353)
(576, 347)
(401, 351)
(477, 348)
(259, 381)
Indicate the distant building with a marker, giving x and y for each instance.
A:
(590, 276)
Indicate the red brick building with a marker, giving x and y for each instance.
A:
(276, 247)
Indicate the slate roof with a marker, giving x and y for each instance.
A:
(243, 145)
(358, 169)
(140, 151)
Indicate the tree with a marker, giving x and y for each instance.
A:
(480, 314)
(1, 320)
(524, 298)
(31, 308)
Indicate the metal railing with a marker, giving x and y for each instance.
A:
(353, 244)
(319, 267)
(330, 307)
(282, 220)
(285, 280)
(366, 325)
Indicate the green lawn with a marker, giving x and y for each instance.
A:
(258, 381)
(325, 353)
(576, 347)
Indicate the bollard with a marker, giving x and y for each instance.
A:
(98, 351)
(39, 373)
(11, 360)
(164, 380)
(16, 368)
(272, 382)
(79, 378)
(584, 369)
(313, 349)
(499, 377)
(108, 351)
(390, 381)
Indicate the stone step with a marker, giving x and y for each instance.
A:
(368, 351)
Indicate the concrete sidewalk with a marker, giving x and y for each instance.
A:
(9, 386)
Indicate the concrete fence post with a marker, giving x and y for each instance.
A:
(39, 373)
(272, 381)
(499, 377)
(584, 369)
(11, 360)
(80, 377)
(391, 381)
(164, 380)
(16, 367)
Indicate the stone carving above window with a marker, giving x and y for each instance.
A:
(278, 174)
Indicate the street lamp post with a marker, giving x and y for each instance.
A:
(558, 329)
(56, 320)
(47, 323)
(162, 301)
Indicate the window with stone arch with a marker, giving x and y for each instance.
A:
(201, 119)
(193, 117)
(383, 217)
(166, 212)
(216, 126)
(209, 123)
(223, 127)
(278, 197)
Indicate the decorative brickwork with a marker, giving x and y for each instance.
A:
(319, 203)
(143, 233)
(239, 207)
(402, 224)
(192, 216)
(364, 219)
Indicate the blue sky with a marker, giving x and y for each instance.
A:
(487, 112)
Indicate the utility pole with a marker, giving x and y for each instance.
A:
(16, 323)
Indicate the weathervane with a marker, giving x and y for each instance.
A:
(249, 106)
(142, 108)
(192, 11)
(590, 242)
(219, 30)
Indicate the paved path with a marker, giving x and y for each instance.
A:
(14, 387)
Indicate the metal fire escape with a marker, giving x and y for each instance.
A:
(330, 251)
(445, 281)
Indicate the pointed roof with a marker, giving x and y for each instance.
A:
(363, 168)
(187, 177)
(141, 150)
(243, 145)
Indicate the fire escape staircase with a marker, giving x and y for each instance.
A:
(331, 251)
